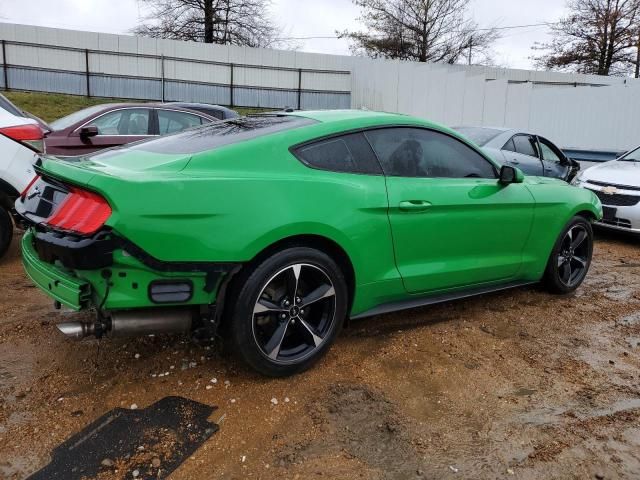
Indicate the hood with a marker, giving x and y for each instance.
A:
(616, 172)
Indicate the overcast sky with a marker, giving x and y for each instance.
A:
(298, 18)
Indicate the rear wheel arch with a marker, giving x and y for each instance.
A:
(317, 242)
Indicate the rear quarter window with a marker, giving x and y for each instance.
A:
(346, 153)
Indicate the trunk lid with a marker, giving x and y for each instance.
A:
(120, 163)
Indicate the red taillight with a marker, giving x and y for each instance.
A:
(81, 212)
(26, 190)
(30, 134)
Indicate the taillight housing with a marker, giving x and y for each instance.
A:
(30, 135)
(81, 212)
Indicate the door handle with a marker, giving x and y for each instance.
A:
(515, 162)
(414, 205)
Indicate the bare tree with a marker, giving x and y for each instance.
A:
(235, 22)
(598, 37)
(420, 30)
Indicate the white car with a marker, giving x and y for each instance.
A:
(617, 185)
(20, 141)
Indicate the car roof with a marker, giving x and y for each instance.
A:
(326, 116)
(115, 105)
(498, 129)
(199, 105)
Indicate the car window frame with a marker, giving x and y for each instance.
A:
(294, 149)
(554, 148)
(534, 137)
(441, 132)
(363, 130)
(76, 131)
(187, 112)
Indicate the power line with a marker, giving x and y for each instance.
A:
(508, 27)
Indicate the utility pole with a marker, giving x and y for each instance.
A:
(638, 57)
(470, 48)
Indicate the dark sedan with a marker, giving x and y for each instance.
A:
(531, 153)
(109, 125)
(218, 111)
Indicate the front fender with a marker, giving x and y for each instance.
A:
(556, 204)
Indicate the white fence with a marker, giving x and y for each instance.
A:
(104, 65)
(575, 111)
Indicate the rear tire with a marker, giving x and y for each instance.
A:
(285, 312)
(6, 230)
(570, 258)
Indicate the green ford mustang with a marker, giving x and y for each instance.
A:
(273, 229)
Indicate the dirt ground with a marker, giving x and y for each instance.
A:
(519, 384)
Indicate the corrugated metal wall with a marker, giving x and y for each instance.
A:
(578, 111)
(574, 111)
(81, 63)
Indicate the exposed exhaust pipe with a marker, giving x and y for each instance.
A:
(128, 323)
(77, 329)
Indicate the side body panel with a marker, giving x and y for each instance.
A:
(473, 231)
(556, 204)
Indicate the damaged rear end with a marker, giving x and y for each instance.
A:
(74, 252)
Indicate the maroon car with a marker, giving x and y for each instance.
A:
(113, 124)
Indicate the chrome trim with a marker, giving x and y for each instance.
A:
(107, 113)
(620, 189)
(191, 112)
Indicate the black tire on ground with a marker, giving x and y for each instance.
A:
(277, 338)
(570, 258)
(6, 230)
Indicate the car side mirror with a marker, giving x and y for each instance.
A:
(509, 174)
(88, 131)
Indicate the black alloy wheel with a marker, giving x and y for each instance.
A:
(284, 312)
(294, 313)
(570, 258)
(574, 256)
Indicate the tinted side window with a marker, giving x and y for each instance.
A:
(414, 152)
(548, 152)
(347, 153)
(509, 146)
(130, 121)
(524, 145)
(219, 114)
(171, 121)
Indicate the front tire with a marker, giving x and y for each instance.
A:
(570, 258)
(6, 230)
(287, 311)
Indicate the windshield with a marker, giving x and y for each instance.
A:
(214, 135)
(75, 117)
(632, 156)
(479, 135)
